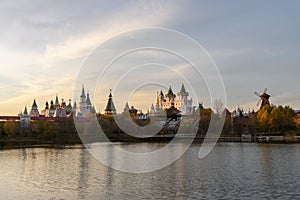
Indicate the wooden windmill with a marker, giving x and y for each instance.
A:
(264, 98)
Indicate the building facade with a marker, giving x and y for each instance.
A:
(181, 101)
(85, 107)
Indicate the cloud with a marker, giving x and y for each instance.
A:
(44, 44)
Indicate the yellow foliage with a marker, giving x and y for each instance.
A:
(297, 121)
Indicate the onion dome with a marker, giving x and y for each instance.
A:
(68, 108)
(51, 105)
(46, 105)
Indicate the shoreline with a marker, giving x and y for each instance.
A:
(70, 142)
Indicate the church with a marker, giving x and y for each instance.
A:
(85, 107)
(182, 102)
(61, 109)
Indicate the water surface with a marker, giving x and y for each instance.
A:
(230, 171)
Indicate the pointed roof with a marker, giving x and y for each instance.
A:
(161, 93)
(170, 91)
(82, 92)
(126, 108)
(88, 101)
(34, 104)
(46, 105)
(182, 90)
(110, 107)
(51, 105)
(56, 100)
(25, 111)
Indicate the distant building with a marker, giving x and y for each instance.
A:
(183, 103)
(57, 109)
(110, 107)
(85, 107)
(24, 118)
(126, 108)
(34, 112)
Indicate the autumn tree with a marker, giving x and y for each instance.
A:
(276, 119)
(205, 117)
(297, 121)
(11, 128)
(263, 118)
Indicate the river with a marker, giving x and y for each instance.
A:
(230, 171)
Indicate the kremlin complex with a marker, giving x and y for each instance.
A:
(84, 108)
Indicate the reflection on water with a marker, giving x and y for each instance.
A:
(230, 171)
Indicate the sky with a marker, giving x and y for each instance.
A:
(254, 44)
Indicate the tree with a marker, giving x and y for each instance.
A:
(297, 120)
(279, 119)
(11, 128)
(1, 129)
(205, 117)
(263, 118)
(288, 122)
(50, 130)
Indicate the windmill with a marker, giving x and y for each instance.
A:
(264, 98)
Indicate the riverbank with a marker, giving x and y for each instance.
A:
(69, 140)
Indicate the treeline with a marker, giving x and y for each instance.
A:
(270, 119)
(38, 129)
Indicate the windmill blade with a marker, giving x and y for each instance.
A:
(258, 102)
(257, 94)
(265, 90)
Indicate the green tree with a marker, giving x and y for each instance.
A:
(50, 129)
(1, 129)
(288, 122)
(205, 117)
(276, 118)
(11, 128)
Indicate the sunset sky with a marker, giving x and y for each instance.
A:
(255, 44)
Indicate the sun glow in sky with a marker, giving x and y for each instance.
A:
(255, 44)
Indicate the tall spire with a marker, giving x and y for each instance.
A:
(126, 108)
(161, 93)
(34, 104)
(182, 90)
(82, 92)
(25, 111)
(170, 94)
(56, 102)
(110, 107)
(170, 91)
(88, 101)
(46, 105)
(34, 112)
(51, 105)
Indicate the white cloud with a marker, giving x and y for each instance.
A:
(52, 67)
